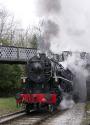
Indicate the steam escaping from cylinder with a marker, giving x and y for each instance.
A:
(67, 102)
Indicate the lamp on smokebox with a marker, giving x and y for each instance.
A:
(23, 80)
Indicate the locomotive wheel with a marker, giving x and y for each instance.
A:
(58, 101)
(51, 108)
(27, 109)
(76, 98)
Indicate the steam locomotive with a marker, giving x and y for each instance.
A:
(46, 81)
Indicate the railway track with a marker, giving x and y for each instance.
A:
(11, 116)
(66, 117)
(34, 118)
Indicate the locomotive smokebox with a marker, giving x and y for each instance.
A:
(39, 69)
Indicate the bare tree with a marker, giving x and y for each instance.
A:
(7, 27)
(25, 38)
(12, 34)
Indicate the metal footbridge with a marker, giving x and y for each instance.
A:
(11, 54)
(20, 55)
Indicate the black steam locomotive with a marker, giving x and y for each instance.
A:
(46, 81)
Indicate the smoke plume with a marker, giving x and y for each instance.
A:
(49, 28)
(47, 7)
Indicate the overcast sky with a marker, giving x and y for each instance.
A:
(23, 10)
(74, 21)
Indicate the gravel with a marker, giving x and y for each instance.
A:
(73, 116)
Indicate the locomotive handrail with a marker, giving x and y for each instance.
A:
(63, 79)
(53, 60)
(61, 67)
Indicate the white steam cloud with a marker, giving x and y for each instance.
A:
(73, 20)
(78, 68)
(74, 26)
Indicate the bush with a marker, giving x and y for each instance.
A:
(9, 79)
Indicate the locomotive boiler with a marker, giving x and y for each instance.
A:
(46, 81)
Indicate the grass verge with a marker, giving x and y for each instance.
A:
(8, 105)
(86, 120)
(88, 106)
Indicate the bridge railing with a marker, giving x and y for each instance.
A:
(17, 54)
